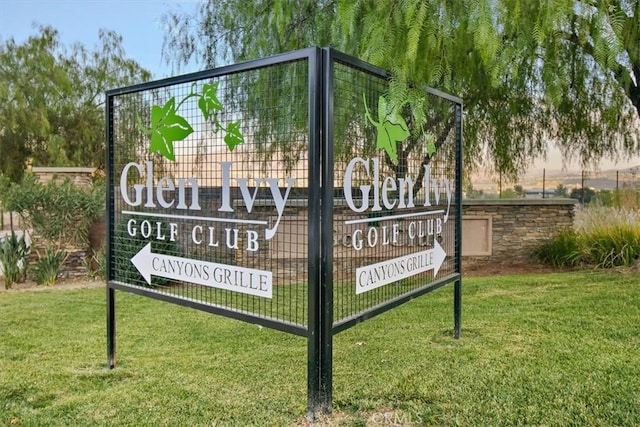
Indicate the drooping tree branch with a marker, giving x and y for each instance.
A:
(439, 141)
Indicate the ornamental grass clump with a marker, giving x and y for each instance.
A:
(46, 269)
(602, 237)
(613, 245)
(14, 253)
(565, 249)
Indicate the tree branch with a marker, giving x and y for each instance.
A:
(624, 76)
(442, 137)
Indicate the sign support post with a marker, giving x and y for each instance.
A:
(111, 328)
(457, 284)
(111, 292)
(320, 354)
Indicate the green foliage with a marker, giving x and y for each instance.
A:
(46, 269)
(527, 71)
(14, 255)
(510, 193)
(235, 31)
(603, 237)
(58, 213)
(561, 191)
(519, 190)
(613, 245)
(565, 249)
(604, 198)
(96, 265)
(585, 195)
(166, 128)
(51, 100)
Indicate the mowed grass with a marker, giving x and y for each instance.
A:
(556, 349)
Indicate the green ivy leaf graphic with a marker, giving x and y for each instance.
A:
(234, 137)
(431, 145)
(166, 128)
(391, 127)
(382, 109)
(209, 102)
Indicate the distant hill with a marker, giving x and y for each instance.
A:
(533, 179)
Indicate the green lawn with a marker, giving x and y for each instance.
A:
(558, 349)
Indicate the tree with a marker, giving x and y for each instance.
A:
(561, 191)
(530, 72)
(605, 198)
(518, 190)
(52, 100)
(583, 194)
(509, 193)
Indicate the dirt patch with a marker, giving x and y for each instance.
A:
(485, 270)
(62, 283)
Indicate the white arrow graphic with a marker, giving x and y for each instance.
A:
(222, 276)
(375, 275)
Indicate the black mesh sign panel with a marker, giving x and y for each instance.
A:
(395, 196)
(204, 173)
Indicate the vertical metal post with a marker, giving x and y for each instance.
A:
(326, 373)
(457, 308)
(313, 339)
(320, 348)
(582, 183)
(457, 287)
(111, 328)
(618, 189)
(111, 302)
(544, 182)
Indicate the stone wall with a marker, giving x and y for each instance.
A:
(515, 228)
(81, 177)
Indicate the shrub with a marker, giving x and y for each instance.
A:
(58, 213)
(602, 237)
(565, 249)
(613, 245)
(14, 254)
(46, 269)
(96, 265)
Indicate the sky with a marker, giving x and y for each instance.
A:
(137, 21)
(140, 25)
